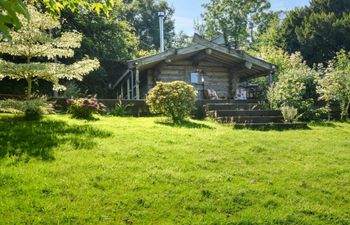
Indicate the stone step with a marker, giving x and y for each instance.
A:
(228, 101)
(235, 113)
(235, 106)
(250, 119)
(270, 126)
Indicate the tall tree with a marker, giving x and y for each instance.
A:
(34, 43)
(318, 31)
(143, 16)
(110, 40)
(232, 17)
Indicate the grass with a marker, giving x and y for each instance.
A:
(147, 171)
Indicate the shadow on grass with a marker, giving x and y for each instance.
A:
(39, 138)
(185, 124)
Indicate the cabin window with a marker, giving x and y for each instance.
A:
(195, 78)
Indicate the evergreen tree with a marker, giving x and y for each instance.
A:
(318, 31)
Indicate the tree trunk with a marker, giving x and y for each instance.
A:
(29, 81)
(29, 87)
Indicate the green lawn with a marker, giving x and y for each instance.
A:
(145, 171)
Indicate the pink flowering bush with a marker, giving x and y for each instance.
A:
(84, 108)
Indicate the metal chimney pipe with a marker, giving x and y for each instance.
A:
(161, 16)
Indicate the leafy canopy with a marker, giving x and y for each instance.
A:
(231, 18)
(318, 31)
(10, 10)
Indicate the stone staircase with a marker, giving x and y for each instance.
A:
(246, 114)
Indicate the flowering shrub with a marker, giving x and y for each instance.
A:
(83, 108)
(175, 99)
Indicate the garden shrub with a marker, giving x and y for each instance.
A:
(72, 91)
(335, 85)
(175, 100)
(296, 88)
(121, 109)
(12, 106)
(33, 109)
(84, 108)
(290, 114)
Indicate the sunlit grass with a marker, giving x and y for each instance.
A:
(149, 171)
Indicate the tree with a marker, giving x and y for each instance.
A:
(335, 86)
(33, 43)
(11, 9)
(324, 25)
(232, 17)
(143, 16)
(181, 40)
(110, 40)
(268, 34)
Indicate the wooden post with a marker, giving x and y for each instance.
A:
(128, 87)
(137, 83)
(271, 78)
(132, 83)
(122, 91)
(150, 83)
(234, 85)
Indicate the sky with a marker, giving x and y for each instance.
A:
(188, 10)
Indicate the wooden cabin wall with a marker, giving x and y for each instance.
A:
(216, 75)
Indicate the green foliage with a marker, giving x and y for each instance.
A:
(175, 100)
(72, 90)
(9, 16)
(121, 109)
(142, 15)
(110, 39)
(13, 8)
(181, 40)
(33, 112)
(56, 6)
(290, 114)
(36, 48)
(324, 25)
(84, 108)
(231, 18)
(295, 87)
(11, 106)
(106, 38)
(335, 85)
(33, 109)
(268, 35)
(279, 57)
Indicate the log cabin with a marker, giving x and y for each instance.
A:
(208, 65)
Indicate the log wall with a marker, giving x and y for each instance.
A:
(216, 76)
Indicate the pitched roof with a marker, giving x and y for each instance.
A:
(212, 51)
